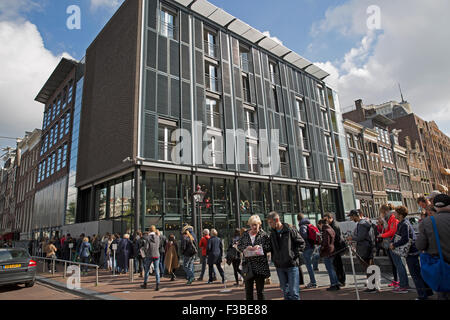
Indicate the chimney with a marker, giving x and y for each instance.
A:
(358, 104)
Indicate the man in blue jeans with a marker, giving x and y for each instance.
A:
(151, 256)
(309, 249)
(286, 246)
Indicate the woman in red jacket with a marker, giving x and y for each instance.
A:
(387, 213)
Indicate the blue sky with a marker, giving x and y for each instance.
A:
(363, 63)
(292, 25)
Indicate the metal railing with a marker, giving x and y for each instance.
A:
(65, 266)
(211, 50)
(164, 147)
(167, 29)
(214, 119)
(247, 97)
(212, 83)
(284, 169)
(244, 64)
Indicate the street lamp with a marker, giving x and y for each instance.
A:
(198, 197)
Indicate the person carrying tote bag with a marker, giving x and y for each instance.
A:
(435, 271)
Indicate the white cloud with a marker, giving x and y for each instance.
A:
(412, 48)
(25, 66)
(267, 34)
(109, 4)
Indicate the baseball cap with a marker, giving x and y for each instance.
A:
(353, 213)
(441, 200)
(433, 194)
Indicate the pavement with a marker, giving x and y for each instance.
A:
(120, 287)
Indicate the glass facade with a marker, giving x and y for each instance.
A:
(71, 207)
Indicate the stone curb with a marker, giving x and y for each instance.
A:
(81, 292)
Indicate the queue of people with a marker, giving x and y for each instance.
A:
(288, 247)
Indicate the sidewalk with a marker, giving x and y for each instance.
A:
(119, 287)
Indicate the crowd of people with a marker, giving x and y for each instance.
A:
(288, 247)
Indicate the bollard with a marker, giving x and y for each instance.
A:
(65, 269)
(43, 265)
(96, 276)
(130, 269)
(53, 266)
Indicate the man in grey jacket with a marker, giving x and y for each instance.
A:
(151, 256)
(361, 235)
(426, 239)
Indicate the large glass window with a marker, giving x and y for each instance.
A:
(301, 114)
(253, 156)
(172, 196)
(165, 142)
(211, 44)
(212, 78)
(284, 163)
(167, 23)
(308, 167)
(213, 113)
(246, 88)
(101, 198)
(250, 123)
(154, 182)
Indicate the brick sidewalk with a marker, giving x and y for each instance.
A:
(120, 287)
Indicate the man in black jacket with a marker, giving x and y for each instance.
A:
(286, 246)
(339, 246)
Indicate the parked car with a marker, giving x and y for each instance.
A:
(16, 266)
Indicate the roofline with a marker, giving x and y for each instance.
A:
(61, 71)
(272, 45)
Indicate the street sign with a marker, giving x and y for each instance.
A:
(114, 246)
(70, 245)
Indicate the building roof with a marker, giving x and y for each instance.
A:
(383, 119)
(54, 81)
(221, 17)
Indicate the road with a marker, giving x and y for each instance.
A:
(38, 292)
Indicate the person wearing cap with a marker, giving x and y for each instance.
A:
(361, 235)
(426, 239)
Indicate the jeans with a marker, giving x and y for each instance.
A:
(211, 271)
(84, 260)
(315, 259)
(236, 269)
(394, 269)
(423, 290)
(307, 256)
(147, 264)
(259, 280)
(203, 262)
(330, 269)
(188, 266)
(339, 268)
(289, 282)
(401, 270)
(162, 266)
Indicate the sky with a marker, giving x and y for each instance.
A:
(367, 50)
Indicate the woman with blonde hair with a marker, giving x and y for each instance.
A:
(255, 244)
(85, 253)
(188, 251)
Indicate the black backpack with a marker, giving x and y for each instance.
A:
(191, 248)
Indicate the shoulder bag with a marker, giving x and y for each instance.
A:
(402, 251)
(434, 270)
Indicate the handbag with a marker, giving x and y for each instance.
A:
(247, 272)
(402, 251)
(434, 270)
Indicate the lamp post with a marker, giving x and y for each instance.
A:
(198, 198)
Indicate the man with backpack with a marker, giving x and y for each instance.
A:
(286, 247)
(306, 229)
(365, 241)
(339, 247)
